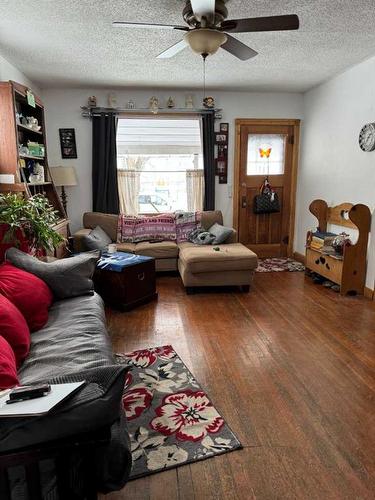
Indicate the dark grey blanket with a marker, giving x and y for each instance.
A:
(74, 346)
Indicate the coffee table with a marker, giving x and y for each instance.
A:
(125, 280)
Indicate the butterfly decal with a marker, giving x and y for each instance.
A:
(265, 153)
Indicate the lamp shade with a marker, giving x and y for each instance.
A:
(205, 41)
(64, 176)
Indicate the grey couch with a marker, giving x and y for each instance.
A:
(74, 345)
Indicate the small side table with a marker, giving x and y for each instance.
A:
(125, 280)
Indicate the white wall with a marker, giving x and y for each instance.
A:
(63, 110)
(332, 166)
(10, 72)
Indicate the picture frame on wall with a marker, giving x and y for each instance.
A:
(221, 153)
(220, 138)
(68, 143)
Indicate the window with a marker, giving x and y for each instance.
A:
(160, 165)
(265, 154)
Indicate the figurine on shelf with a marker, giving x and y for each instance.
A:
(39, 172)
(32, 123)
(130, 104)
(189, 103)
(209, 102)
(112, 100)
(170, 103)
(91, 102)
(154, 105)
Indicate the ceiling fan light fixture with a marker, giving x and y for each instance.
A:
(205, 41)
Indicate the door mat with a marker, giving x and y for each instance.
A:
(276, 265)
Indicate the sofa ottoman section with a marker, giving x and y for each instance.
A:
(232, 265)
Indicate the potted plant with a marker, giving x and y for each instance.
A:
(27, 223)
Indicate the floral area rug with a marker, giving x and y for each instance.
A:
(171, 420)
(277, 265)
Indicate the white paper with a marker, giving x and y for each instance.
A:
(38, 406)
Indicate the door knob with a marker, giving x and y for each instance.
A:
(244, 202)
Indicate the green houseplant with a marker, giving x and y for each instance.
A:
(27, 223)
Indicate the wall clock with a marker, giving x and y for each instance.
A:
(367, 137)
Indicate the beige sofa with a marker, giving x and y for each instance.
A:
(233, 264)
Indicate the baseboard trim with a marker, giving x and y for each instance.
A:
(299, 257)
(368, 293)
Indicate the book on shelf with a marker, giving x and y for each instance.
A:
(319, 240)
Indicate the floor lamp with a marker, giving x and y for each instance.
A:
(64, 177)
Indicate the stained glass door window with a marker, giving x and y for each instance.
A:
(265, 154)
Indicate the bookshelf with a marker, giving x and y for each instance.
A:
(349, 270)
(15, 157)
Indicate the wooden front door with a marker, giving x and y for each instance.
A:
(266, 148)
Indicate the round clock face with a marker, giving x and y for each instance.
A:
(367, 137)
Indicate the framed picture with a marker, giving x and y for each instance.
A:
(221, 167)
(224, 127)
(68, 143)
(220, 138)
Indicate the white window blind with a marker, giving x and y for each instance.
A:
(158, 136)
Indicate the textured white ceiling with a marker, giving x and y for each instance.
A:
(72, 43)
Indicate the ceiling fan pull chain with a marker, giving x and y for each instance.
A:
(204, 57)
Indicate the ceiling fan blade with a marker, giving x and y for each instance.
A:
(238, 48)
(272, 23)
(122, 24)
(172, 51)
(203, 8)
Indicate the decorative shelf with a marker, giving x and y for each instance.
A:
(28, 129)
(89, 112)
(31, 157)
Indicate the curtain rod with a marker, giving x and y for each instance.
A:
(90, 112)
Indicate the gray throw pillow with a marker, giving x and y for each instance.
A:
(98, 239)
(221, 233)
(66, 278)
(201, 237)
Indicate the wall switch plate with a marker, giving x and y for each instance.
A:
(6, 179)
(229, 187)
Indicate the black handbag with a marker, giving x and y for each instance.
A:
(267, 202)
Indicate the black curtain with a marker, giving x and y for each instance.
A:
(104, 164)
(208, 142)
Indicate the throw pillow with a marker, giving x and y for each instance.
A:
(66, 277)
(27, 292)
(98, 239)
(186, 222)
(220, 232)
(8, 369)
(201, 237)
(14, 329)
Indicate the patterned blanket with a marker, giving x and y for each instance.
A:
(161, 227)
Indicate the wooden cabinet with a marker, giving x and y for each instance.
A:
(350, 271)
(133, 286)
(16, 159)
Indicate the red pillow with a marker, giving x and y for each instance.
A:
(14, 329)
(28, 293)
(8, 370)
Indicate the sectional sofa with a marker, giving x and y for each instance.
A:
(232, 265)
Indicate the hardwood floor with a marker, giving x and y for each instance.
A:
(290, 366)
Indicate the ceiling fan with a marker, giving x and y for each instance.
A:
(207, 29)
